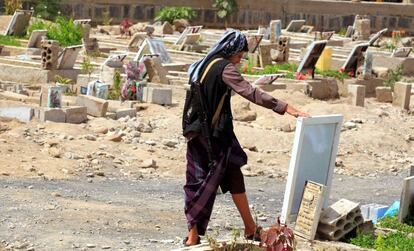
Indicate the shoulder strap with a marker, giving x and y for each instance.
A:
(208, 69)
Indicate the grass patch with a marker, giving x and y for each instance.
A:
(392, 223)
(9, 40)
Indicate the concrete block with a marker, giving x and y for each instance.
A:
(370, 85)
(76, 115)
(95, 106)
(383, 94)
(157, 95)
(357, 93)
(323, 89)
(402, 95)
(111, 115)
(22, 113)
(131, 112)
(52, 114)
(156, 72)
(19, 97)
(339, 219)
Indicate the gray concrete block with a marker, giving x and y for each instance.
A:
(323, 89)
(52, 114)
(131, 112)
(76, 115)
(95, 106)
(357, 93)
(383, 94)
(402, 95)
(158, 95)
(21, 113)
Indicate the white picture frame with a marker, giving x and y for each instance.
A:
(313, 158)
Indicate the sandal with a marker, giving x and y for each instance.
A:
(186, 239)
(256, 235)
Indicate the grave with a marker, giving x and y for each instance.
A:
(311, 57)
(275, 30)
(355, 59)
(309, 211)
(68, 56)
(357, 93)
(402, 52)
(155, 70)
(402, 95)
(313, 159)
(156, 47)
(253, 42)
(22, 113)
(34, 46)
(188, 30)
(362, 29)
(136, 41)
(18, 23)
(322, 89)
(157, 95)
(95, 106)
(295, 25)
(383, 94)
(407, 199)
(377, 36)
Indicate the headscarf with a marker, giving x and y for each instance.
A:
(232, 42)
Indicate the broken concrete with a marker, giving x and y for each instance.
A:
(157, 95)
(131, 112)
(384, 94)
(357, 93)
(75, 115)
(402, 95)
(22, 113)
(323, 89)
(52, 114)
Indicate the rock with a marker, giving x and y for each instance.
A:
(90, 245)
(90, 175)
(288, 128)
(409, 138)
(55, 152)
(114, 138)
(100, 130)
(180, 24)
(90, 137)
(99, 173)
(106, 247)
(149, 163)
(55, 194)
(407, 41)
(150, 142)
(170, 143)
(167, 28)
(144, 128)
(357, 121)
(349, 125)
(243, 113)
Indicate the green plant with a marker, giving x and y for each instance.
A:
(394, 242)
(392, 223)
(9, 40)
(106, 19)
(362, 240)
(87, 67)
(225, 7)
(115, 91)
(342, 32)
(47, 9)
(394, 76)
(62, 80)
(169, 14)
(12, 5)
(63, 30)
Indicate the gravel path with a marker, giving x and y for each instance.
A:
(116, 214)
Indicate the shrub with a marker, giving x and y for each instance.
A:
(64, 30)
(47, 9)
(392, 223)
(394, 76)
(12, 5)
(169, 14)
(225, 7)
(9, 40)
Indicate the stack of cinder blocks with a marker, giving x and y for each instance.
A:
(50, 50)
(339, 219)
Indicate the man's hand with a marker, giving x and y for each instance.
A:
(295, 113)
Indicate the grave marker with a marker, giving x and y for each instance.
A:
(156, 47)
(311, 57)
(253, 42)
(36, 38)
(188, 30)
(355, 58)
(313, 159)
(407, 199)
(18, 23)
(310, 210)
(367, 68)
(136, 41)
(190, 39)
(402, 52)
(67, 58)
(295, 25)
(275, 30)
(377, 36)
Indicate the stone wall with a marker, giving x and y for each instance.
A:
(324, 15)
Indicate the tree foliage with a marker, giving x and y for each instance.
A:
(47, 9)
(225, 7)
(169, 14)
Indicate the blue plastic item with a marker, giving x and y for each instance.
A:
(393, 210)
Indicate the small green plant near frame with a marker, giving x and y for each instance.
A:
(65, 82)
(115, 91)
(87, 67)
(9, 40)
(394, 76)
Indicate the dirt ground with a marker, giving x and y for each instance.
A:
(66, 186)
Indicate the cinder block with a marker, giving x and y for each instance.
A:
(76, 115)
(323, 89)
(383, 94)
(157, 95)
(339, 219)
(22, 113)
(357, 93)
(95, 106)
(402, 95)
(131, 112)
(52, 114)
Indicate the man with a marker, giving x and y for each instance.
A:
(214, 156)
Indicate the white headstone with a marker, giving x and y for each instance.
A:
(313, 159)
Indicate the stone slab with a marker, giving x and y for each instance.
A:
(22, 113)
(95, 106)
(383, 94)
(407, 198)
(157, 95)
(357, 93)
(76, 115)
(52, 114)
(402, 95)
(131, 112)
(323, 89)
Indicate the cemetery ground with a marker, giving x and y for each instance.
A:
(107, 174)
(67, 186)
